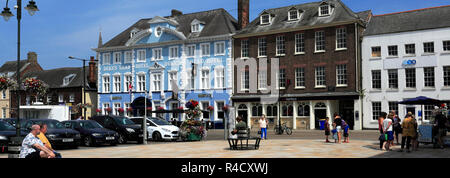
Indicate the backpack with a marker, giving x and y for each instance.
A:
(343, 124)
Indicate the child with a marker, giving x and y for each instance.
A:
(345, 126)
(327, 130)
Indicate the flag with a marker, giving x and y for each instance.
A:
(130, 88)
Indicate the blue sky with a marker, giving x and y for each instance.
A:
(65, 28)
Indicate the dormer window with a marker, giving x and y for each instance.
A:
(293, 15)
(325, 10)
(68, 79)
(133, 32)
(195, 28)
(265, 19)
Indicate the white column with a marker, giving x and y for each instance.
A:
(294, 119)
(312, 122)
(249, 114)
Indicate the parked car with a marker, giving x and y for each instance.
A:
(12, 121)
(159, 129)
(92, 133)
(127, 129)
(7, 131)
(57, 134)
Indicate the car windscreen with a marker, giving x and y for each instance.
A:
(53, 124)
(90, 125)
(5, 126)
(160, 122)
(123, 121)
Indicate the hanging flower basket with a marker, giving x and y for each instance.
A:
(149, 108)
(6, 83)
(191, 129)
(108, 109)
(35, 86)
(130, 109)
(160, 108)
(193, 111)
(98, 110)
(210, 108)
(226, 108)
(121, 110)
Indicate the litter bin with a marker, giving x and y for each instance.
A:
(322, 124)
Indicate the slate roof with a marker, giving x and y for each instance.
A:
(11, 66)
(309, 18)
(421, 19)
(55, 77)
(217, 22)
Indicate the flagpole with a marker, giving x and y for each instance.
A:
(144, 122)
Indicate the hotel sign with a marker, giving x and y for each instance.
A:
(417, 62)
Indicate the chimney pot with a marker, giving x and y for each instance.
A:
(176, 13)
(92, 78)
(32, 57)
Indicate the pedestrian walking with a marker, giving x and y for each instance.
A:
(346, 127)
(33, 148)
(408, 132)
(263, 122)
(397, 126)
(380, 128)
(389, 131)
(338, 125)
(415, 138)
(327, 129)
(441, 124)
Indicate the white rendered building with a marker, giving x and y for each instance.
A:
(405, 55)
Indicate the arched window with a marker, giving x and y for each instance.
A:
(256, 110)
(272, 111)
(287, 110)
(320, 106)
(303, 109)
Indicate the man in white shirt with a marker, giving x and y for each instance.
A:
(33, 148)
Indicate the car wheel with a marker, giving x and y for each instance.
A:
(88, 141)
(157, 136)
(122, 139)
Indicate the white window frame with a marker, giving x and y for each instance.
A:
(219, 48)
(189, 49)
(429, 77)
(300, 43)
(300, 78)
(173, 75)
(117, 82)
(341, 75)
(393, 80)
(116, 107)
(157, 81)
(372, 51)
(262, 80)
(245, 80)
(205, 78)
(105, 106)
(106, 84)
(392, 49)
(190, 80)
(195, 27)
(407, 50)
(426, 47)
(157, 54)
(4, 94)
(204, 46)
(281, 45)
(141, 55)
(128, 57)
(282, 79)
(244, 48)
(72, 98)
(446, 76)
(377, 80)
(341, 38)
(290, 15)
(172, 50)
(262, 47)
(319, 41)
(446, 45)
(329, 10)
(126, 106)
(413, 78)
(117, 58)
(219, 74)
(127, 79)
(106, 58)
(376, 113)
(262, 19)
(319, 83)
(141, 82)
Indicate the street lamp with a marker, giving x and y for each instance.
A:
(6, 14)
(84, 80)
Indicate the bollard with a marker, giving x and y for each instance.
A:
(14, 146)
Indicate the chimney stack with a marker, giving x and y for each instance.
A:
(32, 57)
(176, 13)
(92, 78)
(243, 13)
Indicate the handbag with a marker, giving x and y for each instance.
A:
(382, 137)
(259, 132)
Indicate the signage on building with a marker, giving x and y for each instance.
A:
(420, 61)
(116, 98)
(204, 95)
(411, 62)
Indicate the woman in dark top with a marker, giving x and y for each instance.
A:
(338, 124)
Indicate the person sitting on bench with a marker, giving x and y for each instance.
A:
(241, 128)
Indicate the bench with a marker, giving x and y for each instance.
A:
(243, 135)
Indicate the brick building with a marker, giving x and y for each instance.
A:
(65, 88)
(9, 69)
(318, 47)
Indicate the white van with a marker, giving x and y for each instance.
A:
(159, 129)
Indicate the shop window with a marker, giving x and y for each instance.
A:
(303, 110)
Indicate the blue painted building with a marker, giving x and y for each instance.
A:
(169, 60)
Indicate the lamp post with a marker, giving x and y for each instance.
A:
(6, 14)
(84, 81)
